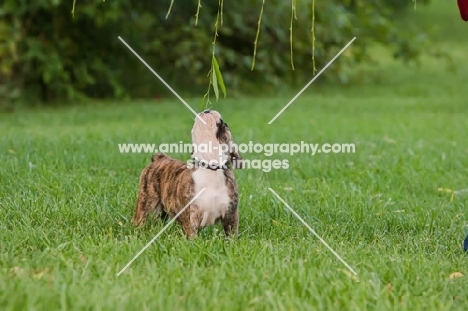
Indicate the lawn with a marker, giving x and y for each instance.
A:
(67, 196)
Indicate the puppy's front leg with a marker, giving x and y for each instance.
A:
(230, 222)
(190, 220)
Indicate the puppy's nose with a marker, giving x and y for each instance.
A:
(207, 111)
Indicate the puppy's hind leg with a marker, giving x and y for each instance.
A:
(146, 203)
(148, 200)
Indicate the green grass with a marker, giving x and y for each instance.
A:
(67, 194)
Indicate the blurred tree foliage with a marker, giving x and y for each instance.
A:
(46, 53)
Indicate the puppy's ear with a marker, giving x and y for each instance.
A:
(234, 155)
(224, 136)
(236, 158)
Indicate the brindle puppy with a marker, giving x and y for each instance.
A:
(168, 185)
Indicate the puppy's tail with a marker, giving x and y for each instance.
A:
(158, 156)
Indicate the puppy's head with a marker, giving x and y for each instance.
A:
(217, 137)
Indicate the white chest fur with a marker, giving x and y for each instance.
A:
(213, 202)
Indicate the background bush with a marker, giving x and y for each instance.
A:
(47, 54)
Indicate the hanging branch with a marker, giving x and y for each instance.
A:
(73, 8)
(170, 9)
(216, 79)
(199, 6)
(222, 9)
(259, 23)
(293, 16)
(314, 69)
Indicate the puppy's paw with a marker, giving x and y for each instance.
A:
(137, 222)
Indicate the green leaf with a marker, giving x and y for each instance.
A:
(219, 76)
(214, 82)
(202, 103)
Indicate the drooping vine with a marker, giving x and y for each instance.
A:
(293, 16)
(312, 30)
(215, 76)
(199, 6)
(73, 8)
(259, 23)
(170, 9)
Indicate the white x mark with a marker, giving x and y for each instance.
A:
(314, 233)
(311, 81)
(162, 80)
(160, 232)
